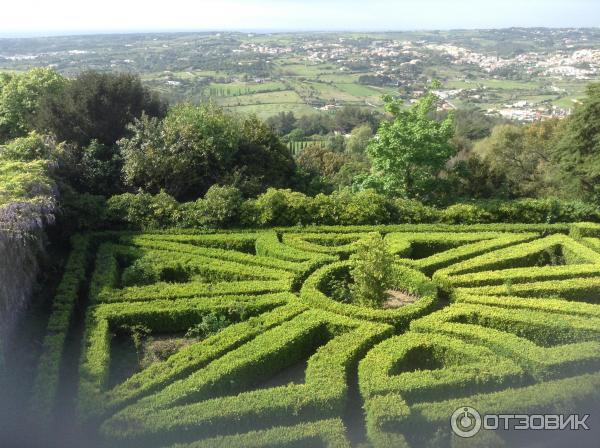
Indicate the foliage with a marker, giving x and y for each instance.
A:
(359, 139)
(372, 271)
(20, 98)
(283, 123)
(408, 153)
(97, 106)
(577, 154)
(223, 207)
(185, 154)
(143, 210)
(28, 148)
(195, 147)
(210, 324)
(321, 161)
(522, 154)
(235, 291)
(260, 161)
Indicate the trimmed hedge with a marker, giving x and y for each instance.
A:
(545, 345)
(198, 409)
(393, 423)
(45, 385)
(413, 281)
(530, 254)
(165, 317)
(506, 330)
(426, 367)
(323, 433)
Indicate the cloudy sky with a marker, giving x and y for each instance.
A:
(39, 17)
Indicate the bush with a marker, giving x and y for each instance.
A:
(283, 208)
(465, 214)
(222, 206)
(372, 270)
(143, 210)
(210, 324)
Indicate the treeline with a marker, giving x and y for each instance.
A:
(102, 135)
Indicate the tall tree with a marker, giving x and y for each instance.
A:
(521, 154)
(409, 152)
(97, 106)
(261, 160)
(577, 154)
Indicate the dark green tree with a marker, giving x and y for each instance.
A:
(97, 106)
(261, 160)
(577, 154)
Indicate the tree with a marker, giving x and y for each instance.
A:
(321, 161)
(577, 153)
(349, 117)
(97, 106)
(283, 123)
(359, 139)
(372, 269)
(521, 154)
(408, 153)
(261, 160)
(190, 150)
(20, 98)
(314, 124)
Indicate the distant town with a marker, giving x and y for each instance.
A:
(519, 74)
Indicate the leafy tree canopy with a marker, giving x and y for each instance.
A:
(408, 153)
(577, 154)
(20, 98)
(97, 106)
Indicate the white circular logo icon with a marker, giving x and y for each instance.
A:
(465, 422)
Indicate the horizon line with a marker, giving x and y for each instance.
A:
(120, 32)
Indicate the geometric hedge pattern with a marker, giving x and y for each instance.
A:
(508, 320)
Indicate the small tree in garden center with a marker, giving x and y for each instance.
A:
(372, 270)
(408, 153)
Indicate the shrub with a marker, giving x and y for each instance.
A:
(143, 210)
(282, 208)
(465, 214)
(210, 324)
(372, 269)
(222, 206)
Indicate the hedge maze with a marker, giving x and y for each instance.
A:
(507, 319)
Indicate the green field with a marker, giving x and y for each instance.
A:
(258, 348)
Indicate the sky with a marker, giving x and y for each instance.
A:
(50, 17)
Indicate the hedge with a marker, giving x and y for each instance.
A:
(324, 433)
(528, 254)
(522, 314)
(45, 384)
(177, 408)
(393, 423)
(165, 316)
(426, 367)
(545, 345)
(467, 247)
(415, 282)
(288, 208)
